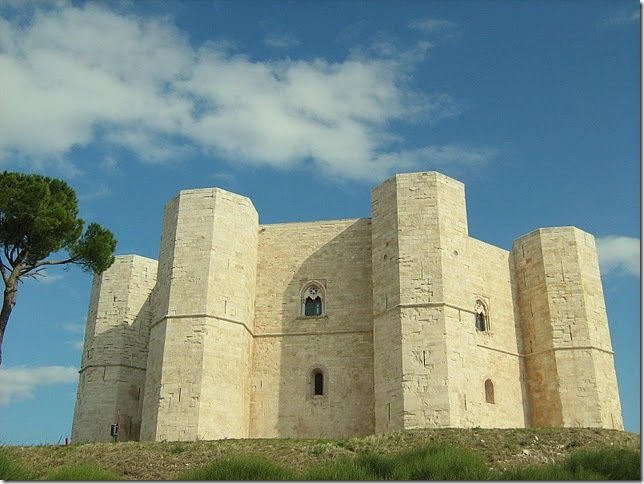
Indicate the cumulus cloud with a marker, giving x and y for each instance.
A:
(99, 192)
(149, 91)
(280, 40)
(77, 344)
(623, 17)
(439, 27)
(76, 328)
(619, 254)
(46, 277)
(20, 382)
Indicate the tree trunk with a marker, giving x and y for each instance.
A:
(8, 302)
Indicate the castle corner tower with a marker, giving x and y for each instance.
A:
(197, 383)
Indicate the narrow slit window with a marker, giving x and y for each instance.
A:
(489, 391)
(481, 318)
(318, 383)
(480, 322)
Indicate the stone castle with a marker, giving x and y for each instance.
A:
(345, 327)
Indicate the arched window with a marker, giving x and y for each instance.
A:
(489, 391)
(318, 382)
(313, 299)
(481, 319)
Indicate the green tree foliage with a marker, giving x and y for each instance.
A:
(38, 218)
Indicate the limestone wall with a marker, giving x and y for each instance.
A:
(113, 364)
(441, 273)
(387, 331)
(212, 342)
(493, 354)
(569, 364)
(288, 346)
(197, 386)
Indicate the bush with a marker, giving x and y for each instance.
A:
(339, 470)
(553, 472)
(239, 468)
(441, 462)
(609, 463)
(10, 470)
(378, 465)
(82, 472)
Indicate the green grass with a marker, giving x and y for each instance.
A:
(584, 465)
(81, 472)
(378, 465)
(552, 472)
(10, 470)
(441, 462)
(574, 454)
(610, 463)
(247, 468)
(431, 462)
(343, 469)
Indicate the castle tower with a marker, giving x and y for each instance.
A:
(416, 220)
(569, 364)
(433, 367)
(197, 384)
(112, 374)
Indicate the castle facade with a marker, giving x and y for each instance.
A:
(345, 327)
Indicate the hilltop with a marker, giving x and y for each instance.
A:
(500, 448)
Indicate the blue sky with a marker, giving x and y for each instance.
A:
(305, 107)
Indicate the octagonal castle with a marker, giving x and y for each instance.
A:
(345, 327)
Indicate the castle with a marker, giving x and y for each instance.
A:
(344, 327)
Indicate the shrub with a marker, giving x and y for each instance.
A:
(10, 470)
(608, 462)
(340, 470)
(239, 468)
(81, 472)
(441, 462)
(378, 465)
(553, 472)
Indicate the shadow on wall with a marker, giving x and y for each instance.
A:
(113, 379)
(519, 330)
(326, 360)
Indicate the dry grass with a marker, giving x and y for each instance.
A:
(500, 448)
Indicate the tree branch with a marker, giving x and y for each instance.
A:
(54, 262)
(3, 271)
(7, 254)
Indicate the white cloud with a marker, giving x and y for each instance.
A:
(78, 345)
(76, 328)
(281, 40)
(20, 382)
(624, 17)
(149, 91)
(441, 27)
(224, 176)
(46, 277)
(619, 254)
(99, 192)
(110, 166)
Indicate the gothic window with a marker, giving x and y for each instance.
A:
(481, 319)
(318, 382)
(489, 391)
(313, 299)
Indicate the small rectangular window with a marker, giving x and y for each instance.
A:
(318, 383)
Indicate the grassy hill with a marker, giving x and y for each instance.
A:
(498, 450)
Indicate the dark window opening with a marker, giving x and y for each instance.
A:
(318, 383)
(480, 322)
(313, 307)
(489, 391)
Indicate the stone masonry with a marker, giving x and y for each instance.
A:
(345, 327)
